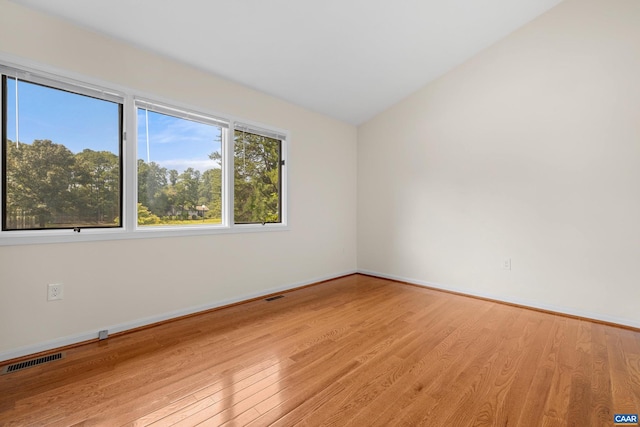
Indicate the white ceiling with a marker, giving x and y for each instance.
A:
(348, 59)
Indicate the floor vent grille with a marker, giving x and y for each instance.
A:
(274, 298)
(32, 362)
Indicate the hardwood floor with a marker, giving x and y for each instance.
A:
(355, 351)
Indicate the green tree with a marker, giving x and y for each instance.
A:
(96, 189)
(187, 189)
(39, 180)
(210, 192)
(173, 176)
(256, 178)
(145, 217)
(152, 181)
(170, 194)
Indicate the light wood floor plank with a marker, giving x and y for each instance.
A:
(355, 351)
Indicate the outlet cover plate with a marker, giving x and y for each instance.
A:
(55, 291)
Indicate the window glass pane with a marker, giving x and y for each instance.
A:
(179, 171)
(257, 178)
(61, 156)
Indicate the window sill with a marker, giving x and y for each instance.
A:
(15, 238)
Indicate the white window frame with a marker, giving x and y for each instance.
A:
(129, 229)
(270, 133)
(182, 113)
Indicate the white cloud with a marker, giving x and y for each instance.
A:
(181, 164)
(171, 130)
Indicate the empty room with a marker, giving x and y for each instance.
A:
(362, 213)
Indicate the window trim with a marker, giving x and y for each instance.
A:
(181, 113)
(43, 81)
(129, 228)
(268, 133)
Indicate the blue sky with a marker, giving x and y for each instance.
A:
(80, 122)
(176, 143)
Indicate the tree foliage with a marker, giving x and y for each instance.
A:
(97, 188)
(145, 217)
(49, 186)
(169, 193)
(152, 183)
(256, 178)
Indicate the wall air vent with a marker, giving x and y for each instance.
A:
(32, 362)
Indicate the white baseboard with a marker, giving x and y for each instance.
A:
(90, 335)
(526, 303)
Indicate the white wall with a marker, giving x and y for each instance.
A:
(531, 150)
(118, 283)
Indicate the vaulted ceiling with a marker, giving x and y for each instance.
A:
(348, 59)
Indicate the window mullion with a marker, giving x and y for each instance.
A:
(130, 165)
(3, 136)
(228, 174)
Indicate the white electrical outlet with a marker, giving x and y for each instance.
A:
(506, 264)
(55, 291)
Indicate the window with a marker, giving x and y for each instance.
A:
(61, 156)
(68, 167)
(257, 176)
(179, 167)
